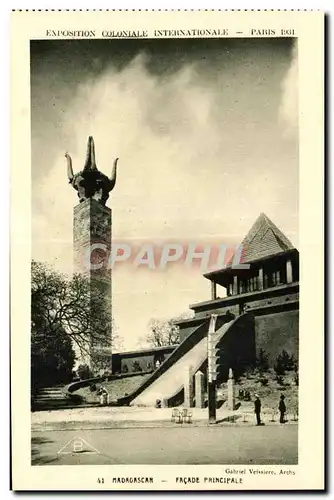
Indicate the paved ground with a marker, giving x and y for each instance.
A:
(115, 417)
(221, 444)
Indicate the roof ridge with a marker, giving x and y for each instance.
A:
(263, 218)
(251, 249)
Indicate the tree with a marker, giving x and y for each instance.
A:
(284, 362)
(262, 361)
(164, 332)
(84, 372)
(80, 309)
(52, 357)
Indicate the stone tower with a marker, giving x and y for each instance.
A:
(92, 223)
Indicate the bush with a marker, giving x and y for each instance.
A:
(84, 372)
(284, 362)
(262, 363)
(92, 387)
(296, 378)
(251, 373)
(263, 381)
(279, 370)
(136, 367)
(125, 369)
(247, 396)
(76, 398)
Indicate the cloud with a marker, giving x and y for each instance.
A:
(288, 111)
(192, 150)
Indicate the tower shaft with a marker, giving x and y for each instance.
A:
(92, 246)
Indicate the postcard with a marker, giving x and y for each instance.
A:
(167, 250)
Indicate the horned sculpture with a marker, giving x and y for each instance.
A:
(90, 182)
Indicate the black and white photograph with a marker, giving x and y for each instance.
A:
(178, 151)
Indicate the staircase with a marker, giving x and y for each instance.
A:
(167, 381)
(50, 398)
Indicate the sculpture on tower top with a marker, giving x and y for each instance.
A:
(90, 182)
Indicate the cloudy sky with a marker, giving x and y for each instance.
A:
(207, 136)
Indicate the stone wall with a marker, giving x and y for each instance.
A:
(237, 349)
(275, 332)
(145, 359)
(276, 313)
(91, 226)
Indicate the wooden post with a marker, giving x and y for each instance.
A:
(212, 370)
(289, 277)
(188, 387)
(213, 290)
(230, 390)
(212, 401)
(260, 279)
(235, 285)
(199, 389)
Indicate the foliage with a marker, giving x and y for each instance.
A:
(68, 316)
(296, 377)
(80, 309)
(284, 362)
(52, 357)
(244, 395)
(262, 361)
(137, 367)
(101, 361)
(84, 372)
(164, 332)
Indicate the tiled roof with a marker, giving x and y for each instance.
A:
(263, 240)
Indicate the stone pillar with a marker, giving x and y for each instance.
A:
(289, 277)
(235, 285)
(92, 245)
(230, 390)
(188, 387)
(199, 389)
(260, 279)
(213, 290)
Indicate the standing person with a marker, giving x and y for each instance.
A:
(257, 409)
(282, 409)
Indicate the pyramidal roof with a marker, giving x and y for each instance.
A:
(263, 240)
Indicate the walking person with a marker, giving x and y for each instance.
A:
(282, 409)
(257, 409)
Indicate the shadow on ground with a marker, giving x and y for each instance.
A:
(37, 458)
